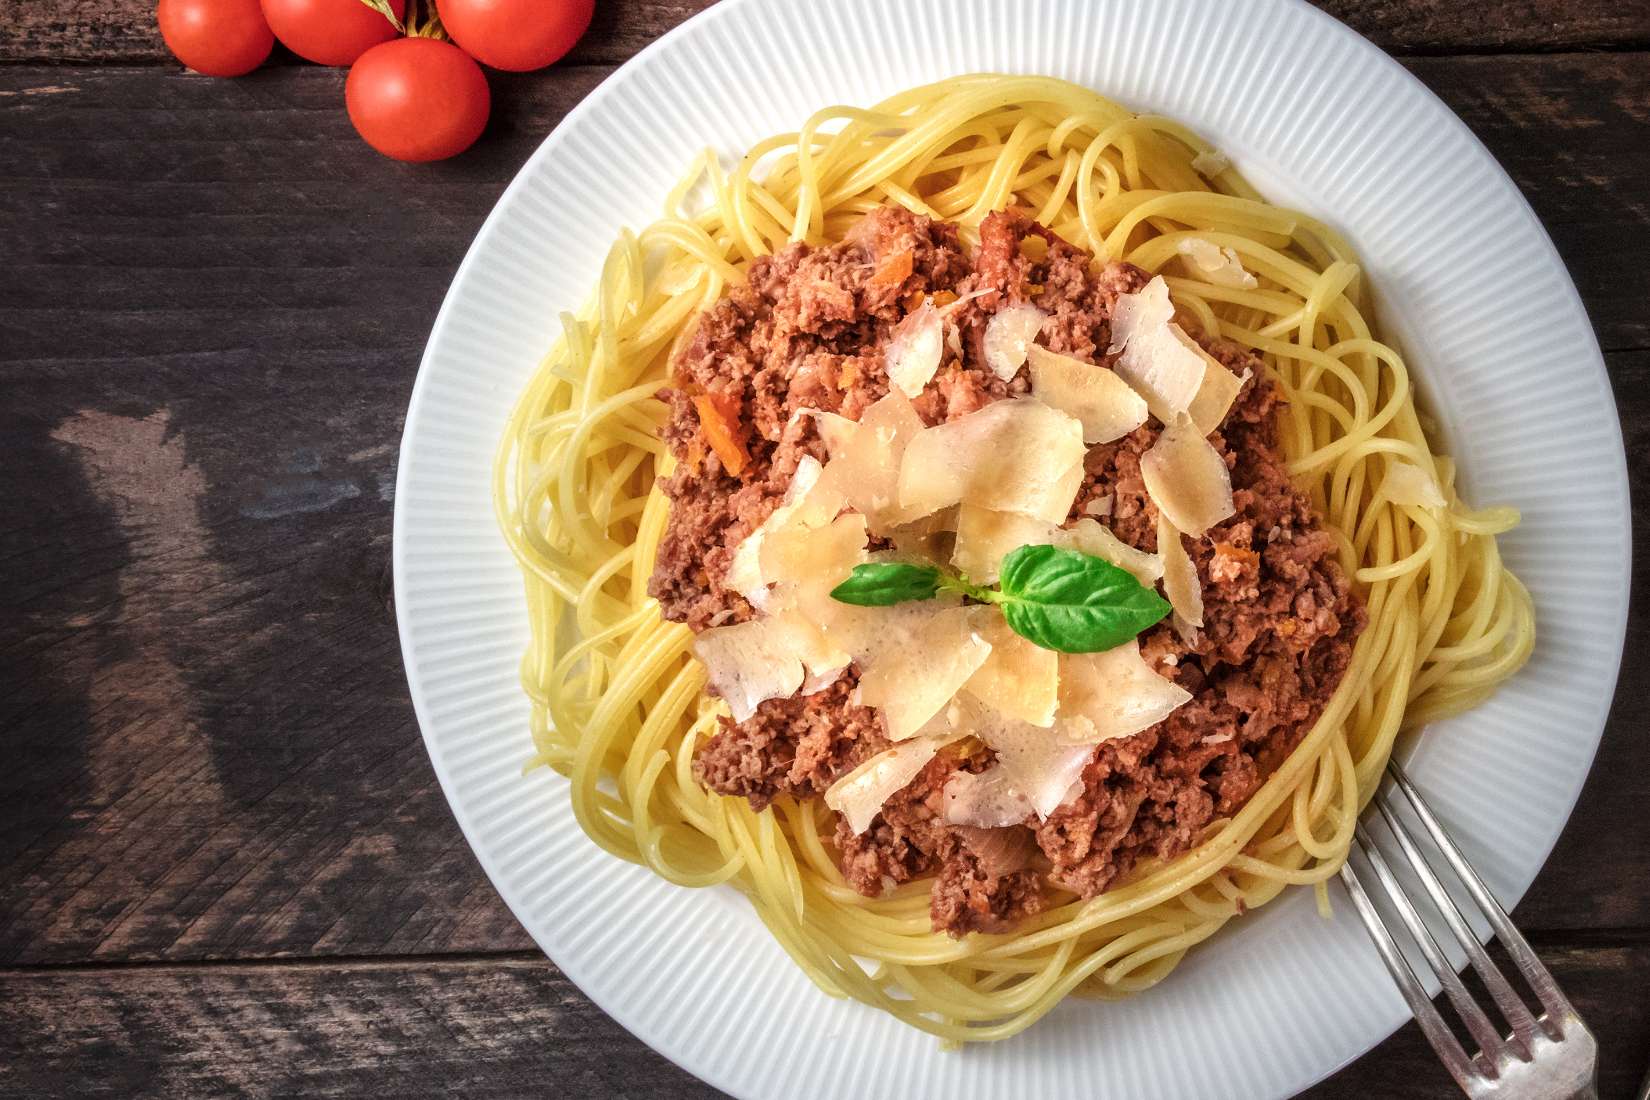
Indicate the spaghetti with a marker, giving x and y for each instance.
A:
(619, 703)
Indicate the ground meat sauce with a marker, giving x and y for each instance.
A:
(806, 332)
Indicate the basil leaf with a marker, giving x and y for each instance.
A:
(879, 584)
(1073, 602)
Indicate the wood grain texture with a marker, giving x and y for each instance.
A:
(212, 306)
(496, 1027)
(215, 305)
(123, 31)
(481, 1027)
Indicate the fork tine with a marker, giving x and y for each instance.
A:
(1511, 1004)
(1489, 1039)
(1535, 973)
(1432, 1024)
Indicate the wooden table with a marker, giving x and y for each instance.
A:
(225, 865)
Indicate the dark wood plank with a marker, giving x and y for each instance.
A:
(437, 1027)
(510, 1027)
(123, 31)
(216, 298)
(213, 305)
(1447, 26)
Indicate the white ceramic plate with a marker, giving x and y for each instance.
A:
(1321, 119)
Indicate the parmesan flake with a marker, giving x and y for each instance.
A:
(985, 537)
(1220, 387)
(1106, 405)
(1112, 694)
(912, 662)
(859, 795)
(1019, 678)
(1008, 338)
(866, 456)
(914, 349)
(1187, 478)
(1092, 537)
(1407, 483)
(987, 800)
(751, 662)
(805, 500)
(1215, 264)
(1180, 580)
(1011, 456)
(1151, 357)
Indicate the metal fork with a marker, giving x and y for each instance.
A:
(1550, 1057)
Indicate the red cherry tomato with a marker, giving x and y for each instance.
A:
(517, 35)
(330, 32)
(216, 37)
(417, 99)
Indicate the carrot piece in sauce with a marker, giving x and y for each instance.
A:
(893, 270)
(719, 418)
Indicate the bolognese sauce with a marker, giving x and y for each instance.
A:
(807, 331)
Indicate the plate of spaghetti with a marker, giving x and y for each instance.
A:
(920, 526)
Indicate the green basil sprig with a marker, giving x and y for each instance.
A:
(1059, 599)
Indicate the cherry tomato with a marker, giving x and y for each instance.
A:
(330, 32)
(517, 35)
(417, 99)
(216, 37)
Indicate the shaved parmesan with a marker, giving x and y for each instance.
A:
(803, 564)
(746, 574)
(1019, 678)
(985, 536)
(1153, 360)
(1140, 312)
(752, 662)
(1215, 264)
(1100, 506)
(1106, 406)
(1407, 483)
(1211, 163)
(1112, 694)
(859, 795)
(1187, 478)
(837, 431)
(1093, 537)
(802, 545)
(1180, 580)
(1219, 389)
(911, 664)
(866, 456)
(815, 682)
(1039, 765)
(988, 800)
(1036, 769)
(1011, 456)
(915, 348)
(1008, 338)
(930, 538)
